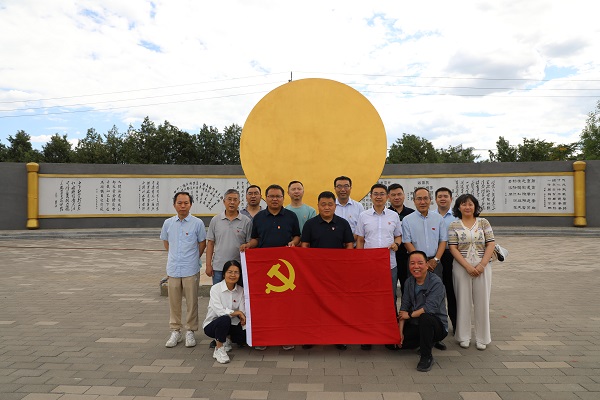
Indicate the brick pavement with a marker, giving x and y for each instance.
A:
(83, 319)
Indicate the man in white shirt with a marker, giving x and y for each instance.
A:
(345, 207)
(379, 227)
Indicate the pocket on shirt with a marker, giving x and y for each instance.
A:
(190, 237)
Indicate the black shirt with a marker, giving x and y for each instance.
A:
(321, 234)
(405, 211)
(275, 230)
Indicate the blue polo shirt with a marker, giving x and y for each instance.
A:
(425, 233)
(183, 236)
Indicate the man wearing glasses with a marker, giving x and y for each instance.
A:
(427, 232)
(274, 227)
(346, 207)
(253, 201)
(379, 227)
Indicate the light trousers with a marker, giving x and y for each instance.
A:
(183, 287)
(472, 293)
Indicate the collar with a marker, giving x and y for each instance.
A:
(281, 211)
(322, 221)
(224, 215)
(186, 219)
(375, 212)
(224, 287)
(350, 202)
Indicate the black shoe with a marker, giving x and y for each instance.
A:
(307, 346)
(365, 347)
(440, 345)
(341, 346)
(391, 347)
(425, 364)
(212, 344)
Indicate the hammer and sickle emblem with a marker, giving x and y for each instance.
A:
(287, 282)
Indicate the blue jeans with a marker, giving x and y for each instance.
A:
(217, 277)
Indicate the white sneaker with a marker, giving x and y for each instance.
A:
(288, 347)
(174, 339)
(481, 346)
(465, 344)
(227, 345)
(221, 355)
(190, 340)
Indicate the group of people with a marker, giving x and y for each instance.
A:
(440, 256)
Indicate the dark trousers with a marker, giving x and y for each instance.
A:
(221, 327)
(402, 265)
(424, 334)
(447, 260)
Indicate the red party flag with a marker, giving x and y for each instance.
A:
(318, 296)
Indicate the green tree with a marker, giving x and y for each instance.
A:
(90, 149)
(3, 152)
(57, 150)
(504, 152)
(208, 146)
(113, 144)
(564, 152)
(21, 150)
(139, 144)
(590, 136)
(230, 145)
(534, 150)
(411, 149)
(457, 154)
(178, 146)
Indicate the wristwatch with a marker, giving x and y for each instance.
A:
(437, 260)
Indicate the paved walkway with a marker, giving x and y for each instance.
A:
(82, 318)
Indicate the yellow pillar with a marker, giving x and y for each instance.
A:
(579, 193)
(32, 196)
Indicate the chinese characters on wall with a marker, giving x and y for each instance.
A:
(550, 194)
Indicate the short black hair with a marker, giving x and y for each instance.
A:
(443, 189)
(184, 193)
(342, 178)
(378, 186)
(274, 186)
(326, 195)
(233, 263)
(417, 252)
(395, 186)
(463, 198)
(292, 182)
(253, 186)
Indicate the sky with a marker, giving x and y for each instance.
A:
(454, 73)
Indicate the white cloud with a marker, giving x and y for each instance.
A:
(213, 61)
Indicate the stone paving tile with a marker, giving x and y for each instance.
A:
(169, 392)
(249, 394)
(480, 396)
(325, 396)
(56, 344)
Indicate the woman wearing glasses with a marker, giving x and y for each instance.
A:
(226, 312)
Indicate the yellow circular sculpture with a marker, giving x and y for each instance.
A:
(313, 130)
